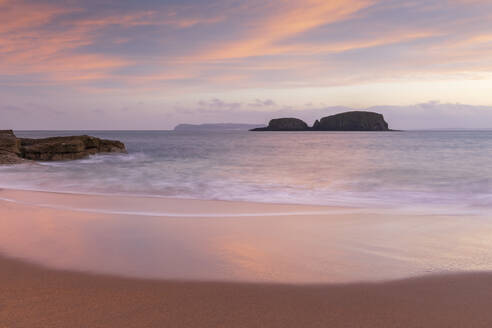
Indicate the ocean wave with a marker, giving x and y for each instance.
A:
(407, 170)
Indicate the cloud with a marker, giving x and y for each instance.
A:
(57, 43)
(262, 103)
(216, 44)
(219, 105)
(436, 115)
(11, 108)
(31, 46)
(286, 19)
(244, 57)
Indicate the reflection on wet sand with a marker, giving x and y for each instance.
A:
(343, 246)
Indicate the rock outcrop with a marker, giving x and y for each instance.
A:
(352, 121)
(285, 124)
(15, 150)
(348, 121)
(9, 148)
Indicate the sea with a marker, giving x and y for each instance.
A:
(448, 171)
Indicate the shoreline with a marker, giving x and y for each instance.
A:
(184, 198)
(340, 268)
(319, 209)
(34, 296)
(236, 241)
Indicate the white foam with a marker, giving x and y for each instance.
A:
(180, 215)
(266, 170)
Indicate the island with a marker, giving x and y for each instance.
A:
(348, 121)
(285, 124)
(15, 150)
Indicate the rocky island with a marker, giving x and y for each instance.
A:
(15, 150)
(348, 121)
(285, 124)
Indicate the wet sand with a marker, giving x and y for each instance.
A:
(31, 296)
(157, 238)
(99, 261)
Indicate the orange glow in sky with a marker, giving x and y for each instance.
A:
(160, 61)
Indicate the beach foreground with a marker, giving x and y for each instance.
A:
(74, 260)
(183, 239)
(32, 296)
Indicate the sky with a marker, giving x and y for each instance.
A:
(152, 64)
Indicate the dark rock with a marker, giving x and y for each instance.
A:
(9, 148)
(9, 142)
(67, 148)
(111, 146)
(15, 150)
(352, 121)
(285, 124)
(348, 121)
(6, 158)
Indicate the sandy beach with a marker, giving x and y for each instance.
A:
(74, 260)
(164, 238)
(32, 296)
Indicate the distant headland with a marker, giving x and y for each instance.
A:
(216, 127)
(348, 121)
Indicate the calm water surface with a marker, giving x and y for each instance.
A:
(451, 170)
